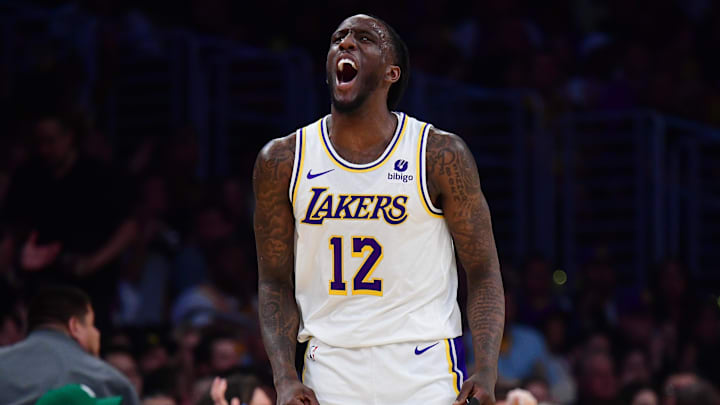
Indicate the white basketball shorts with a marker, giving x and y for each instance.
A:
(428, 373)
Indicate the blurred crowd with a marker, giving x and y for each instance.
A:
(168, 257)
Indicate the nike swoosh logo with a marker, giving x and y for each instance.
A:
(311, 176)
(419, 352)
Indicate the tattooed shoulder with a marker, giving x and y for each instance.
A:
(274, 162)
(449, 160)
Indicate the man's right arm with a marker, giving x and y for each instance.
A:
(275, 239)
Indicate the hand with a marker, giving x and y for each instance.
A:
(217, 392)
(36, 257)
(292, 392)
(520, 396)
(476, 387)
(82, 266)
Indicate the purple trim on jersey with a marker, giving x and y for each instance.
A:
(296, 173)
(460, 353)
(396, 138)
(457, 358)
(423, 182)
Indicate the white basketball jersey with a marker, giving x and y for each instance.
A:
(374, 260)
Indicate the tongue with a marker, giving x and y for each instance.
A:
(347, 74)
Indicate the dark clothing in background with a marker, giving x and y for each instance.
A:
(81, 210)
(49, 359)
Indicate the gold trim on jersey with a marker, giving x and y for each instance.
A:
(421, 177)
(451, 366)
(324, 135)
(298, 175)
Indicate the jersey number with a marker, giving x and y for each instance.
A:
(362, 284)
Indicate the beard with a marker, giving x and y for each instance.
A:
(367, 86)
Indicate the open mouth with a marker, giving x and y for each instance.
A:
(346, 71)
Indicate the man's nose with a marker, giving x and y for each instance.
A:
(348, 42)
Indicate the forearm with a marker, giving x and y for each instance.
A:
(279, 322)
(486, 319)
(118, 242)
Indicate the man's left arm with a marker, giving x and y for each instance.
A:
(120, 239)
(455, 185)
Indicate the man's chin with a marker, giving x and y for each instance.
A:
(347, 106)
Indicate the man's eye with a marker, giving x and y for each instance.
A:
(364, 38)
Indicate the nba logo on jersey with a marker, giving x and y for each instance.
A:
(311, 352)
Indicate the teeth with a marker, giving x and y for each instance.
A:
(344, 61)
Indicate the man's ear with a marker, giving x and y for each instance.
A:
(74, 326)
(392, 74)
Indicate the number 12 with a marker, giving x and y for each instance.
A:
(362, 284)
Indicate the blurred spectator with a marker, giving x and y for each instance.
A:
(12, 319)
(687, 389)
(645, 397)
(161, 387)
(519, 396)
(69, 214)
(244, 389)
(635, 368)
(62, 348)
(634, 318)
(155, 350)
(638, 394)
(522, 352)
(218, 352)
(123, 360)
(597, 382)
(594, 302)
(538, 300)
(539, 388)
(143, 290)
(229, 291)
(706, 335)
(210, 227)
(562, 388)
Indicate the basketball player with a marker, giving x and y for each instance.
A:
(357, 218)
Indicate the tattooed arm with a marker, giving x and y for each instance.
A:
(274, 236)
(454, 185)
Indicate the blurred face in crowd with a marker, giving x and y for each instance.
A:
(635, 368)
(677, 382)
(83, 330)
(127, 365)
(645, 397)
(154, 358)
(54, 143)
(555, 331)
(225, 355)
(540, 390)
(537, 278)
(598, 379)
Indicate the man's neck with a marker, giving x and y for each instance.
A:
(53, 328)
(370, 127)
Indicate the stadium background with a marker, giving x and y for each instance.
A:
(592, 123)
